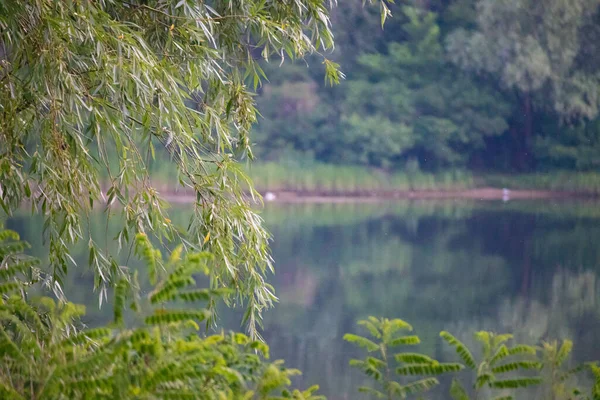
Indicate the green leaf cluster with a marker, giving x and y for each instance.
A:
(93, 94)
(384, 336)
(499, 361)
(47, 353)
(500, 370)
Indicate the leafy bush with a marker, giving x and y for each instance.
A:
(385, 332)
(502, 368)
(46, 352)
(498, 360)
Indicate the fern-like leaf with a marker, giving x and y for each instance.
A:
(371, 327)
(85, 336)
(398, 324)
(564, 352)
(374, 392)
(405, 340)
(513, 366)
(170, 316)
(522, 349)
(361, 341)
(413, 358)
(375, 362)
(9, 287)
(429, 369)
(8, 234)
(203, 294)
(420, 386)
(483, 379)
(515, 383)
(500, 354)
(573, 371)
(457, 391)
(500, 339)
(168, 290)
(462, 350)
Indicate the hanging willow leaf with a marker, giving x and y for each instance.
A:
(103, 91)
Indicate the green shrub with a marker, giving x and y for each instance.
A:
(46, 353)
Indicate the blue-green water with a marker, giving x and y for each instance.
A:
(529, 268)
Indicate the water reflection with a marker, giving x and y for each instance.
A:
(528, 268)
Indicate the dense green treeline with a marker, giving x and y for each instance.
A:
(508, 85)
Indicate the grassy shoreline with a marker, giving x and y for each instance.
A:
(338, 181)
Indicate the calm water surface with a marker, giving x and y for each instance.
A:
(529, 268)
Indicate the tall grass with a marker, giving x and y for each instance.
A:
(338, 179)
(310, 177)
(564, 181)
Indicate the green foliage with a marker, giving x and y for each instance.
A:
(319, 178)
(93, 94)
(536, 52)
(472, 83)
(45, 352)
(408, 102)
(386, 334)
(571, 147)
(494, 370)
(499, 370)
(587, 183)
(560, 380)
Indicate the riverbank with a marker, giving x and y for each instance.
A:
(467, 194)
(316, 182)
(481, 194)
(335, 180)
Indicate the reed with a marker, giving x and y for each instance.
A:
(344, 179)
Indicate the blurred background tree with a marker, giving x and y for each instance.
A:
(493, 86)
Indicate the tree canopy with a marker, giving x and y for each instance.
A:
(91, 91)
(486, 85)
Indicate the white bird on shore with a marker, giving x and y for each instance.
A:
(270, 196)
(505, 194)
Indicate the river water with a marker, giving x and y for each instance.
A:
(529, 268)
